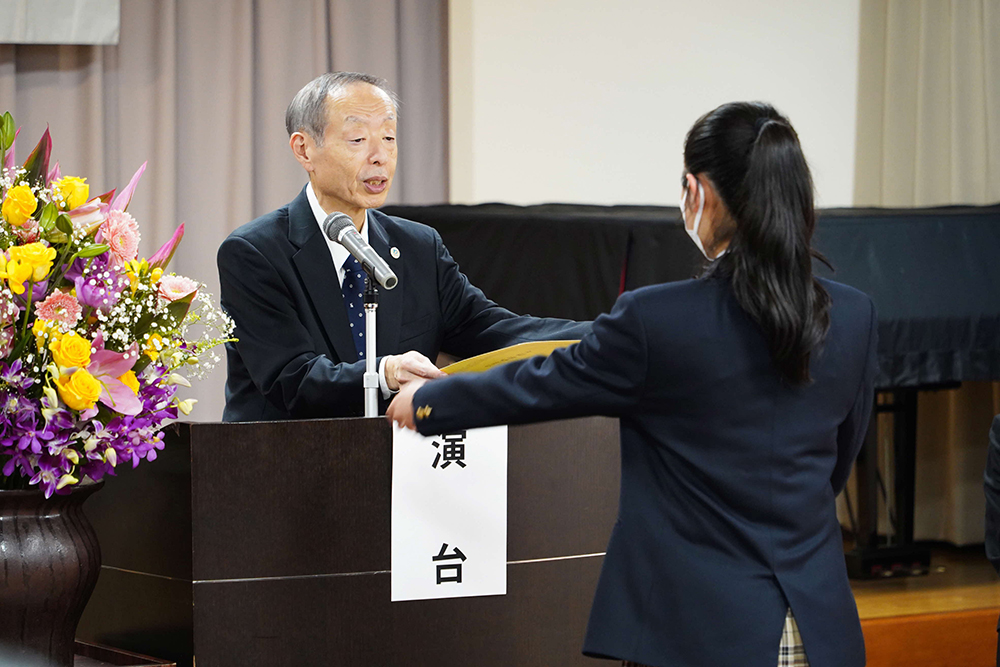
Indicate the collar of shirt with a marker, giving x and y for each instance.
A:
(338, 252)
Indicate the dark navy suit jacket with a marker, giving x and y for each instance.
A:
(295, 357)
(729, 474)
(991, 484)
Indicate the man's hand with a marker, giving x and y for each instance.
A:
(401, 408)
(401, 369)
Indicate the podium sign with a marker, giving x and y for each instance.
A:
(449, 514)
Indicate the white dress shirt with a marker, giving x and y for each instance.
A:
(340, 254)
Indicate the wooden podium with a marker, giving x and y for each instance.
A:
(268, 544)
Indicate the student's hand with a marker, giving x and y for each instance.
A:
(401, 408)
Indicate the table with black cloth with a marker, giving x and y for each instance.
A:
(933, 273)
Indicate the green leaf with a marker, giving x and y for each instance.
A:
(176, 310)
(56, 237)
(142, 326)
(140, 365)
(92, 250)
(64, 225)
(169, 319)
(48, 218)
(7, 130)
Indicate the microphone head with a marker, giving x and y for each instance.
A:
(336, 223)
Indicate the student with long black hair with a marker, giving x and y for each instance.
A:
(743, 398)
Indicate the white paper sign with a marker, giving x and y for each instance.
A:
(449, 514)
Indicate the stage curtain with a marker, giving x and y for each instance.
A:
(200, 89)
(928, 134)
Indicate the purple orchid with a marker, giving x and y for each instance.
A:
(11, 374)
(100, 285)
(48, 477)
(18, 460)
(51, 456)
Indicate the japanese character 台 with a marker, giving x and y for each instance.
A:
(456, 568)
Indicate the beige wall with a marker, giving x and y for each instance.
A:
(588, 101)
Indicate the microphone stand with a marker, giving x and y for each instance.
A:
(371, 372)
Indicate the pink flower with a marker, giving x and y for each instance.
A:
(90, 214)
(121, 232)
(29, 231)
(176, 287)
(59, 307)
(108, 367)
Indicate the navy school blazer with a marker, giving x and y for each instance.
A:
(729, 474)
(295, 358)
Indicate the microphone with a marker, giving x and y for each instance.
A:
(340, 228)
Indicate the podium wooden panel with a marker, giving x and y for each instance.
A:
(268, 544)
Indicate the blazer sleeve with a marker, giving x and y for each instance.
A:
(851, 433)
(276, 348)
(604, 373)
(473, 324)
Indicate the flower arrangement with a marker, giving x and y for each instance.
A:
(94, 341)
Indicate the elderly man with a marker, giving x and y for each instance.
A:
(294, 295)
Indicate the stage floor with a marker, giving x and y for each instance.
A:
(960, 579)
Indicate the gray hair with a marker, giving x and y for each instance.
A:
(307, 111)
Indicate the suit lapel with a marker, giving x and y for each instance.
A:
(390, 302)
(319, 277)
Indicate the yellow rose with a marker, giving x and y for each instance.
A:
(131, 381)
(16, 273)
(80, 390)
(71, 351)
(45, 332)
(73, 190)
(36, 255)
(19, 205)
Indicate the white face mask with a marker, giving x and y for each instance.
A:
(693, 233)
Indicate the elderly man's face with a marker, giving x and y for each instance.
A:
(353, 169)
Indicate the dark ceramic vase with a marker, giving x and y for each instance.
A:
(49, 562)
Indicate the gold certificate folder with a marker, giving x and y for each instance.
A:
(484, 362)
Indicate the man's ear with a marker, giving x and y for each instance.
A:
(301, 145)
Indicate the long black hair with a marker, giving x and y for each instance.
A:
(752, 156)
